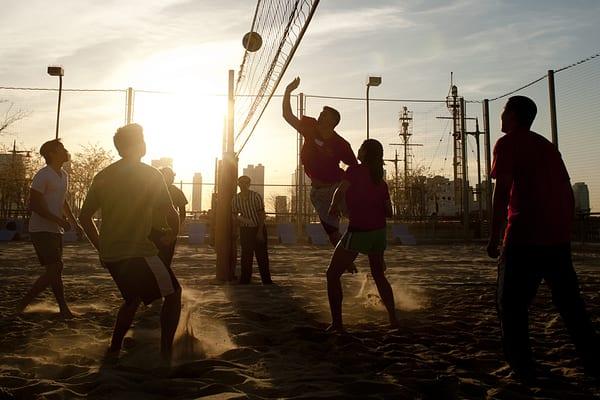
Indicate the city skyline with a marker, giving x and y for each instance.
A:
(179, 97)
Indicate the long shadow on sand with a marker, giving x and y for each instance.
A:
(269, 341)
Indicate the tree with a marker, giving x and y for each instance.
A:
(11, 115)
(410, 199)
(16, 171)
(84, 166)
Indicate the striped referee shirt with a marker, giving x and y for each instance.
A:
(248, 207)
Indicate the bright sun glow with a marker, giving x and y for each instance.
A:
(186, 123)
(185, 127)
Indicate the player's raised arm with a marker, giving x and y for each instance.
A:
(288, 115)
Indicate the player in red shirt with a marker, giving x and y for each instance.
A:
(368, 203)
(321, 153)
(533, 190)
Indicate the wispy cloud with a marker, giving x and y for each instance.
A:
(360, 21)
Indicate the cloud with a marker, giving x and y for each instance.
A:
(346, 25)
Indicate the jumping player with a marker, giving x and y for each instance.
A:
(321, 153)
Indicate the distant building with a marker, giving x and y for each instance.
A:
(197, 192)
(441, 197)
(162, 163)
(482, 193)
(257, 175)
(305, 205)
(281, 209)
(582, 197)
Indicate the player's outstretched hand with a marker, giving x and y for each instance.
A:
(293, 85)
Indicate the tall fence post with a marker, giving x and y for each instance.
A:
(129, 115)
(465, 177)
(552, 96)
(488, 159)
(300, 191)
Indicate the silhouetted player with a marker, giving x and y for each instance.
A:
(321, 153)
(161, 235)
(532, 185)
(249, 213)
(177, 196)
(368, 203)
(128, 193)
(47, 200)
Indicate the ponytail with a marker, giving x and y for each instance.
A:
(372, 157)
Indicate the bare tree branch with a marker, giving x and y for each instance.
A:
(11, 115)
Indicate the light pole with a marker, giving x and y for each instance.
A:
(372, 81)
(60, 72)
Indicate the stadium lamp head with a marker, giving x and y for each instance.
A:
(374, 81)
(55, 70)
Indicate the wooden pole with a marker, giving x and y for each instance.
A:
(227, 174)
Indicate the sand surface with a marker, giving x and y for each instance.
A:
(269, 342)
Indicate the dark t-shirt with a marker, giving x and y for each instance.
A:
(366, 201)
(127, 193)
(321, 157)
(541, 205)
(177, 196)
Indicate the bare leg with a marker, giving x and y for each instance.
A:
(334, 239)
(169, 319)
(377, 265)
(59, 293)
(123, 323)
(339, 262)
(39, 285)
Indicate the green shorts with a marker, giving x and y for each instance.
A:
(365, 242)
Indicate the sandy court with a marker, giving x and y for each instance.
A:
(269, 342)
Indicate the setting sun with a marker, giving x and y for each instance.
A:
(185, 127)
(180, 103)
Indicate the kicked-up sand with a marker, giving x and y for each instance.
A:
(264, 342)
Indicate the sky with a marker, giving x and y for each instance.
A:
(187, 47)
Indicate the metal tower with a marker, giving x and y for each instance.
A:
(455, 104)
(405, 118)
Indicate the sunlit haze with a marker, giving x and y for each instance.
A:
(176, 55)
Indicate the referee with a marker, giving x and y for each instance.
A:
(249, 212)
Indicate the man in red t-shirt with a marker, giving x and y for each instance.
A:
(533, 190)
(321, 153)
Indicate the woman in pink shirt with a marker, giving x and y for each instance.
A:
(368, 203)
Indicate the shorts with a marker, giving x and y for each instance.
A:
(320, 197)
(368, 242)
(165, 251)
(48, 247)
(145, 278)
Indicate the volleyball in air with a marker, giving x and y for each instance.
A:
(252, 41)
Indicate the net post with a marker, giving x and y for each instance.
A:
(226, 184)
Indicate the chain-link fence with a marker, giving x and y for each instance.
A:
(422, 138)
